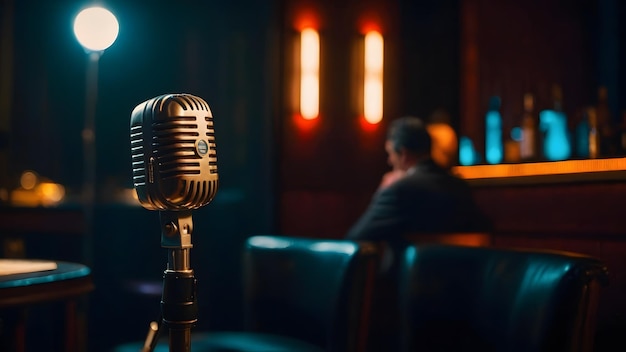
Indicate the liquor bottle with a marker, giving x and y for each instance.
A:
(581, 133)
(623, 134)
(512, 152)
(467, 153)
(494, 149)
(530, 134)
(608, 145)
(594, 133)
(556, 144)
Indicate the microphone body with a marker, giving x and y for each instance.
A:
(173, 152)
(174, 165)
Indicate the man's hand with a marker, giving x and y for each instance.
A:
(391, 177)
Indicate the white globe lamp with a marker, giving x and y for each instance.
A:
(96, 28)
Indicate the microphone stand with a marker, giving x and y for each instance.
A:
(179, 309)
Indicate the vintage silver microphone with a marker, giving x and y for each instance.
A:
(174, 164)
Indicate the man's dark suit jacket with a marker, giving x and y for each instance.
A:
(428, 200)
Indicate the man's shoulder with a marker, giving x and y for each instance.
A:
(426, 175)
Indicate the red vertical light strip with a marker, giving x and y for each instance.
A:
(309, 73)
(373, 57)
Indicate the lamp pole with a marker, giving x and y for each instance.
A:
(96, 29)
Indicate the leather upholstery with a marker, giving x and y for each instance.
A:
(311, 289)
(301, 294)
(384, 324)
(459, 298)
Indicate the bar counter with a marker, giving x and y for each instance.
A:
(610, 169)
(574, 198)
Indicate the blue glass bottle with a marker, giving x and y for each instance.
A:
(467, 153)
(553, 122)
(494, 150)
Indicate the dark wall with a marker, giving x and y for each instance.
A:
(330, 167)
(429, 57)
(223, 51)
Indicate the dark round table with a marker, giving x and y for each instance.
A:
(20, 291)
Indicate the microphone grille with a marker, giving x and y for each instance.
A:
(173, 152)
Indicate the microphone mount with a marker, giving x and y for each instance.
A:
(176, 229)
(179, 305)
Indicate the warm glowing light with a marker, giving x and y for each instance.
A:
(309, 73)
(28, 180)
(96, 28)
(50, 193)
(133, 194)
(587, 168)
(445, 144)
(373, 83)
(34, 191)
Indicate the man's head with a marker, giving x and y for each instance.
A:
(408, 141)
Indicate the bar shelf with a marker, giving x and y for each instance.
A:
(605, 169)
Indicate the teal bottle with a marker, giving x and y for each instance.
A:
(494, 150)
(467, 153)
(553, 122)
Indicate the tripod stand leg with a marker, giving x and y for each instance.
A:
(152, 337)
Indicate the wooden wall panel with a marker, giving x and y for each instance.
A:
(569, 210)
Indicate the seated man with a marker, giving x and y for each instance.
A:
(417, 195)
